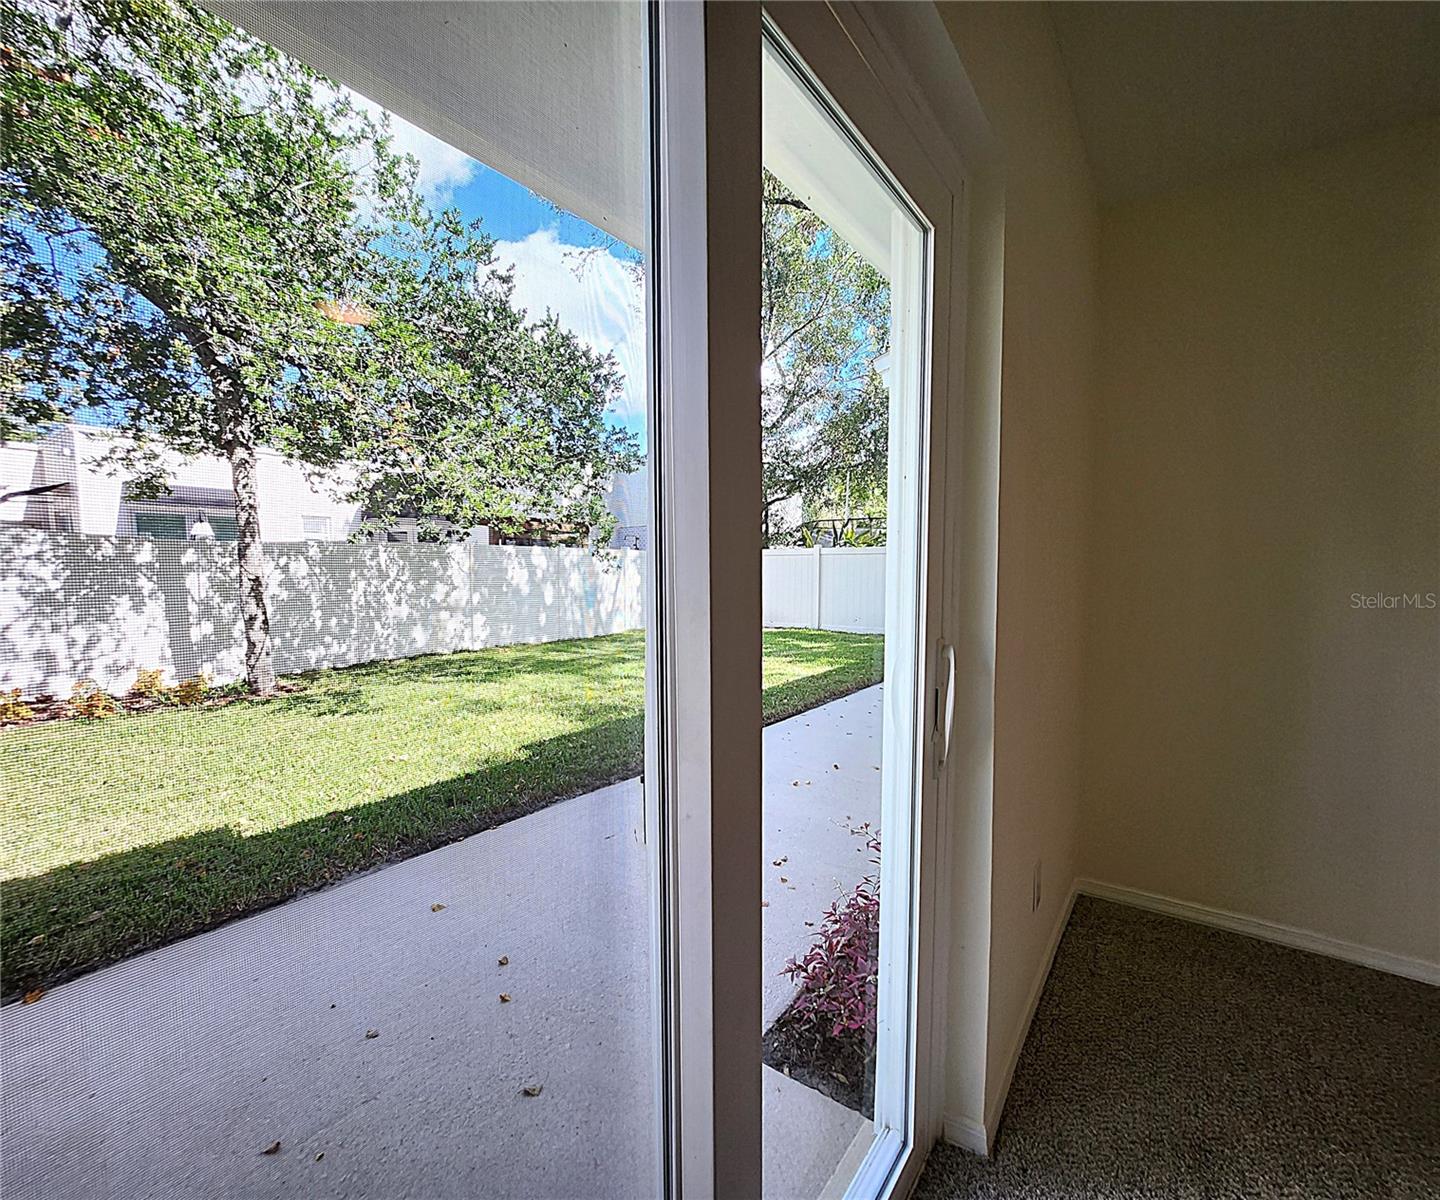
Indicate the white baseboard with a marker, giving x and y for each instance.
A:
(996, 1108)
(978, 1138)
(968, 1135)
(972, 1135)
(1270, 931)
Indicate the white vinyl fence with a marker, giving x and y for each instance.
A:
(78, 606)
(841, 588)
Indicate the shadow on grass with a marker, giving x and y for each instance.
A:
(344, 691)
(801, 695)
(81, 916)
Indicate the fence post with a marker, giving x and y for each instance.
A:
(472, 564)
(815, 622)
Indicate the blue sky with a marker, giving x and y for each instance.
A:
(561, 261)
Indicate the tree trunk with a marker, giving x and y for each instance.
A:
(259, 654)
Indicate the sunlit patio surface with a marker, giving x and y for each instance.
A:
(362, 1027)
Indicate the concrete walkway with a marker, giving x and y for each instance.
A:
(365, 1032)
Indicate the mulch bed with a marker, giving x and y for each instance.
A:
(842, 1068)
(53, 708)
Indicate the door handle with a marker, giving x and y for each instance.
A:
(945, 714)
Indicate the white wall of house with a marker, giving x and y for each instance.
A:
(628, 499)
(20, 464)
(295, 505)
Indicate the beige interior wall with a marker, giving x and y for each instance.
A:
(1049, 314)
(1267, 448)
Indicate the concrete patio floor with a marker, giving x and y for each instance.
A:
(169, 1074)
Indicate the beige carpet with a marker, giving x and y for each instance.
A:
(1171, 1060)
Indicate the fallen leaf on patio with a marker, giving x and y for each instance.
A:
(764, 904)
(835, 766)
(794, 783)
(504, 960)
(372, 1033)
(319, 1156)
(532, 1089)
(33, 995)
(272, 1148)
(810, 924)
(436, 907)
(783, 879)
(504, 997)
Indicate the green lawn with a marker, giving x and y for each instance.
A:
(126, 833)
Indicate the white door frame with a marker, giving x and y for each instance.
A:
(831, 43)
(703, 670)
(704, 655)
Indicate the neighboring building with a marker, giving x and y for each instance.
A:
(64, 482)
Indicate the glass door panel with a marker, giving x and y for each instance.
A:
(844, 427)
(325, 868)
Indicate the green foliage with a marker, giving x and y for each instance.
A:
(220, 216)
(824, 322)
(191, 692)
(149, 684)
(855, 535)
(212, 248)
(161, 841)
(89, 702)
(13, 709)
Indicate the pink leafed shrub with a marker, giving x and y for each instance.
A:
(837, 975)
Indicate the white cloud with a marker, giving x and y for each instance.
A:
(443, 168)
(597, 296)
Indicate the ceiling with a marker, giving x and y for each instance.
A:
(1170, 94)
(551, 94)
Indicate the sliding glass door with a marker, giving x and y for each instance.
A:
(324, 603)
(847, 430)
(471, 693)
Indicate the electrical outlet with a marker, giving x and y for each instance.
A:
(1035, 888)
